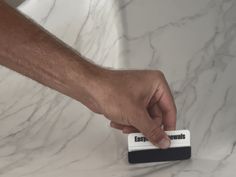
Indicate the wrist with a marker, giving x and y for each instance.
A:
(86, 83)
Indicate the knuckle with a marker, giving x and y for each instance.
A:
(160, 74)
(124, 119)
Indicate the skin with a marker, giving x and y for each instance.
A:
(133, 100)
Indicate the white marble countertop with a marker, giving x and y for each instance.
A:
(46, 134)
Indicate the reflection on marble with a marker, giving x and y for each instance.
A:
(44, 133)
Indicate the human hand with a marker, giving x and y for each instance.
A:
(132, 100)
(137, 100)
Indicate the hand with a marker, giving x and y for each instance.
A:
(137, 101)
(132, 100)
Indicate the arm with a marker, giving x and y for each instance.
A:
(131, 105)
(29, 50)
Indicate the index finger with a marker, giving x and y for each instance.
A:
(166, 103)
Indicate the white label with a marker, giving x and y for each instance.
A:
(179, 138)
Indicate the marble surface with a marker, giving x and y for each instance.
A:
(44, 133)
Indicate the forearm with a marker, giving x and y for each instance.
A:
(29, 50)
(130, 99)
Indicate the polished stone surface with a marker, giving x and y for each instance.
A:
(44, 133)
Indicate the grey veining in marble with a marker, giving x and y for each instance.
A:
(44, 133)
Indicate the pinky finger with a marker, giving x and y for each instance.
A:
(116, 126)
(125, 129)
(128, 130)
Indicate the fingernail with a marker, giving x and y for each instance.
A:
(164, 143)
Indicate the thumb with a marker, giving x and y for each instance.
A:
(151, 130)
